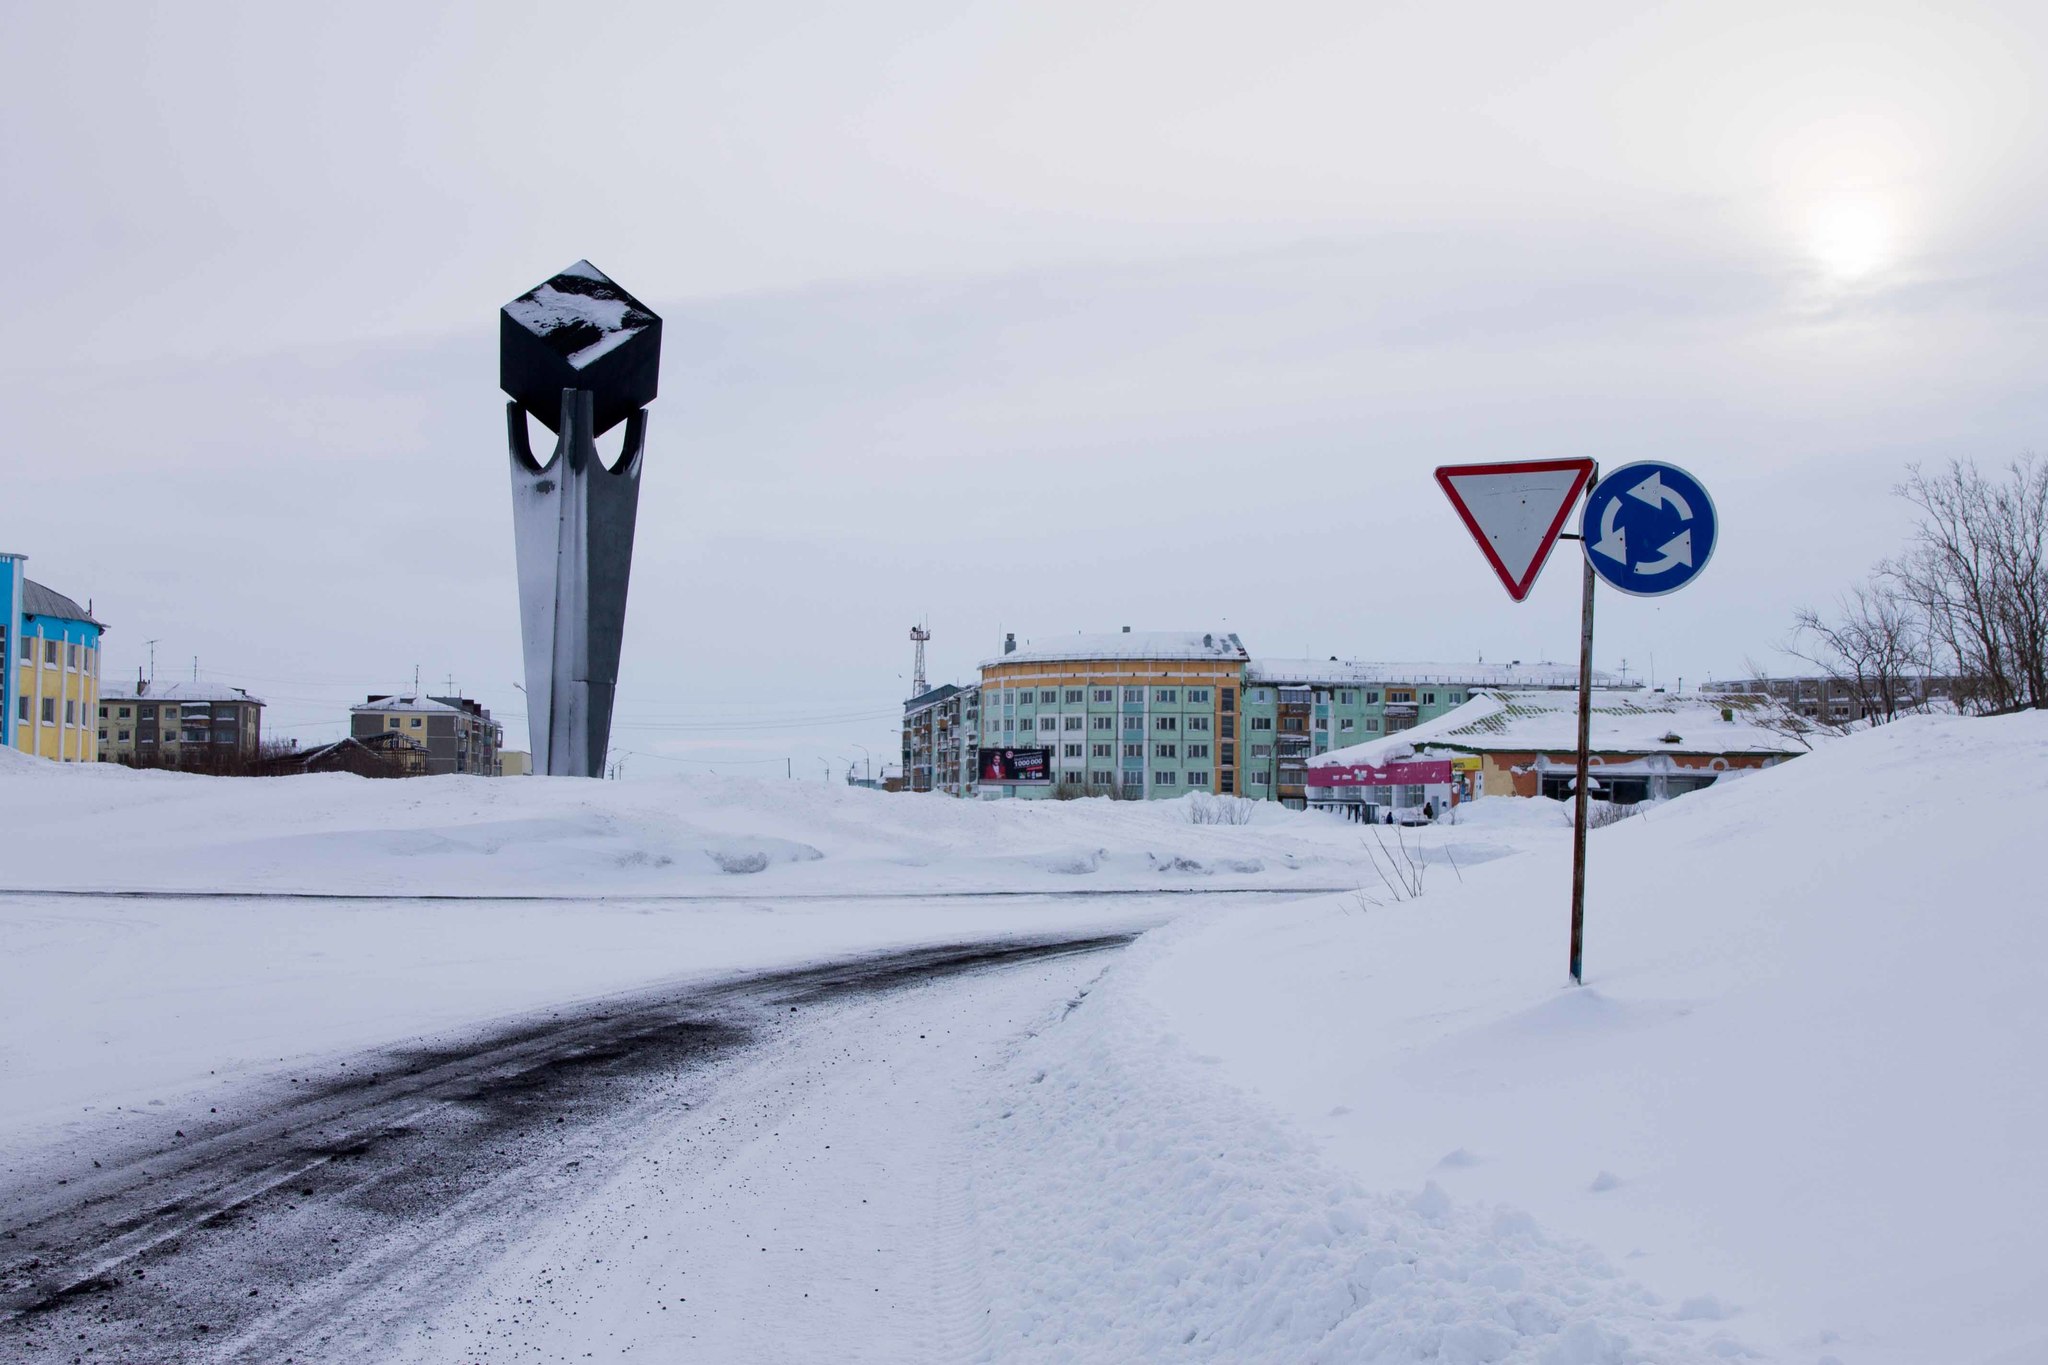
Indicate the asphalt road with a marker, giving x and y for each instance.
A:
(245, 1236)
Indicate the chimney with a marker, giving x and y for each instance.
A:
(1127, 630)
(141, 683)
(1010, 643)
(1208, 642)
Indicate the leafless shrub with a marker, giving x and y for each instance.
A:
(1205, 808)
(1977, 575)
(1876, 646)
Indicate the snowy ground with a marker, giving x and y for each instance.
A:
(1794, 1115)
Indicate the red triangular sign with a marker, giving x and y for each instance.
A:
(1515, 511)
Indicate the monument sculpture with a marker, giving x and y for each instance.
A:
(581, 355)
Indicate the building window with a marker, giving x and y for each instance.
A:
(1322, 722)
(1134, 695)
(1163, 751)
(1008, 724)
(1262, 722)
(1408, 797)
(1229, 754)
(49, 651)
(1102, 723)
(1229, 782)
(1198, 722)
(103, 716)
(49, 710)
(1048, 722)
(123, 736)
(1405, 695)
(103, 736)
(1198, 696)
(1346, 698)
(1134, 751)
(1372, 699)
(1347, 724)
(1134, 777)
(1262, 751)
(1198, 779)
(1229, 730)
(1104, 694)
(71, 656)
(1102, 751)
(1198, 751)
(1258, 779)
(1429, 699)
(1293, 725)
(1371, 723)
(1073, 695)
(1070, 751)
(1229, 700)
(1072, 723)
(1072, 779)
(1166, 694)
(1165, 779)
(1098, 778)
(1166, 722)
(1135, 724)
(22, 709)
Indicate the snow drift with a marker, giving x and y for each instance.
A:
(1801, 1093)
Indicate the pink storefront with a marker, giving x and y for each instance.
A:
(1404, 792)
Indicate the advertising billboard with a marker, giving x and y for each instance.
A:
(1016, 765)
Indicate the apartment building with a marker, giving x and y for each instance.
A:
(49, 668)
(192, 725)
(1136, 714)
(459, 733)
(1157, 714)
(1841, 701)
(941, 729)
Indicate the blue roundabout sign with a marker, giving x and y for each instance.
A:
(1649, 528)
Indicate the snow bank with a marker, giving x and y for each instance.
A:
(1801, 1092)
(104, 827)
(1128, 1210)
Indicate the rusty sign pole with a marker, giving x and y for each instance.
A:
(1579, 805)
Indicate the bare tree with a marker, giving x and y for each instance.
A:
(1977, 572)
(1875, 644)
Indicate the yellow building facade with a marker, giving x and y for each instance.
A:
(52, 672)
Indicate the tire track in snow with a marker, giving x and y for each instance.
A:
(180, 1252)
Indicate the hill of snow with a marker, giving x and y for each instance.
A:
(1801, 1095)
(105, 827)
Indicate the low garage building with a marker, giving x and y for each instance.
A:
(1645, 745)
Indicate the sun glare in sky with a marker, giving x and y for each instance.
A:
(1852, 236)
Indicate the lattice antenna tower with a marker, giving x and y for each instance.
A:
(918, 636)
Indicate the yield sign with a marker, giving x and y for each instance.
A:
(1515, 511)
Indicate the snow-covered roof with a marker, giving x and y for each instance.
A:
(409, 705)
(1359, 671)
(1624, 721)
(1127, 644)
(37, 600)
(179, 691)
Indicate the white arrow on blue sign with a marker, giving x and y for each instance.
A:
(1649, 528)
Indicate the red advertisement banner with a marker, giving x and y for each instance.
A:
(1421, 773)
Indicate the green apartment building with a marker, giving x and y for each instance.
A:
(1158, 714)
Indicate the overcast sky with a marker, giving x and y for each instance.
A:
(1033, 318)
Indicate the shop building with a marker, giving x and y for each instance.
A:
(1645, 745)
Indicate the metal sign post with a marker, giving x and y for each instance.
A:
(1516, 512)
(1581, 797)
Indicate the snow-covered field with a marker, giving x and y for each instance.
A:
(1803, 1094)
(1795, 1113)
